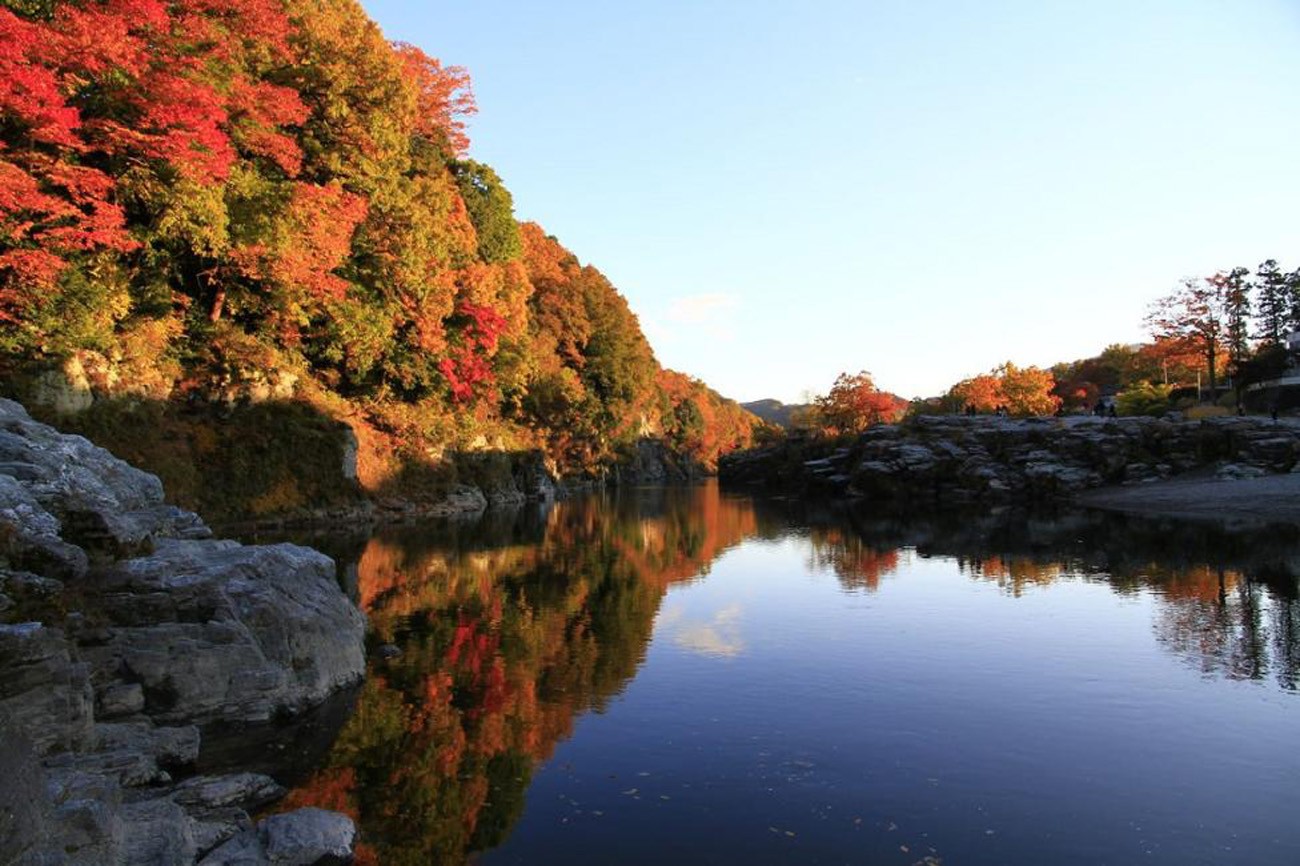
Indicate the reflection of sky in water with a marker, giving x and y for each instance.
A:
(943, 714)
(717, 635)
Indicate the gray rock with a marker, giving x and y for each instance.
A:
(29, 535)
(215, 630)
(244, 790)
(103, 504)
(44, 695)
(119, 699)
(156, 832)
(172, 629)
(133, 754)
(212, 828)
(24, 819)
(308, 837)
(244, 849)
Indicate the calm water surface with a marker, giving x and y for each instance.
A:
(689, 677)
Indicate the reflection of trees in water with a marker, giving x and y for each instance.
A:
(506, 634)
(1232, 626)
(510, 628)
(857, 564)
(1014, 574)
(1226, 601)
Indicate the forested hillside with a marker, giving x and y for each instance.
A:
(208, 205)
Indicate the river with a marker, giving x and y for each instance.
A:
(687, 676)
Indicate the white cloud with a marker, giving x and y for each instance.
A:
(719, 636)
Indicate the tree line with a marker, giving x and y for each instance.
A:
(1234, 321)
(201, 195)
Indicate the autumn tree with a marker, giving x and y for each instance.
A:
(215, 188)
(1020, 390)
(1027, 390)
(1195, 314)
(979, 393)
(854, 403)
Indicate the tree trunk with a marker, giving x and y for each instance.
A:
(219, 302)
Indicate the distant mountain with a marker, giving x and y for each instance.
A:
(774, 411)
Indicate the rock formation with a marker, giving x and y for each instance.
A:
(125, 630)
(956, 460)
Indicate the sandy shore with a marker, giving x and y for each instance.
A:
(1270, 499)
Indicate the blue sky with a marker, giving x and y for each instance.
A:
(785, 190)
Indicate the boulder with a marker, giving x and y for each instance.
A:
(306, 837)
(218, 631)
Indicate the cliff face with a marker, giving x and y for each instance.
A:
(126, 631)
(955, 460)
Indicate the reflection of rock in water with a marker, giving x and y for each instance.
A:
(288, 750)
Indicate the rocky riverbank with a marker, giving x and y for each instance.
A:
(127, 633)
(956, 460)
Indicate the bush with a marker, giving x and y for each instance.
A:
(1143, 398)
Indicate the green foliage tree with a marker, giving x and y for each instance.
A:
(491, 209)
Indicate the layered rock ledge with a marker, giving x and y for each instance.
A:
(956, 460)
(126, 632)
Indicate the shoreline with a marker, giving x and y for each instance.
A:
(1268, 499)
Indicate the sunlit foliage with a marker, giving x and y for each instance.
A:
(854, 404)
(213, 172)
(1018, 390)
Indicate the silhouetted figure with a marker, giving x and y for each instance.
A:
(1110, 411)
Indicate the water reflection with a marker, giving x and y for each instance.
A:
(1227, 601)
(501, 635)
(489, 639)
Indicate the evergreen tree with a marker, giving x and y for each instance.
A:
(1273, 303)
(1292, 281)
(1235, 293)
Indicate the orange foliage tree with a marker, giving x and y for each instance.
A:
(1021, 390)
(854, 404)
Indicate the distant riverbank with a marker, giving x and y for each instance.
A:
(1220, 467)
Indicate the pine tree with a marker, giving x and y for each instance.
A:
(1273, 303)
